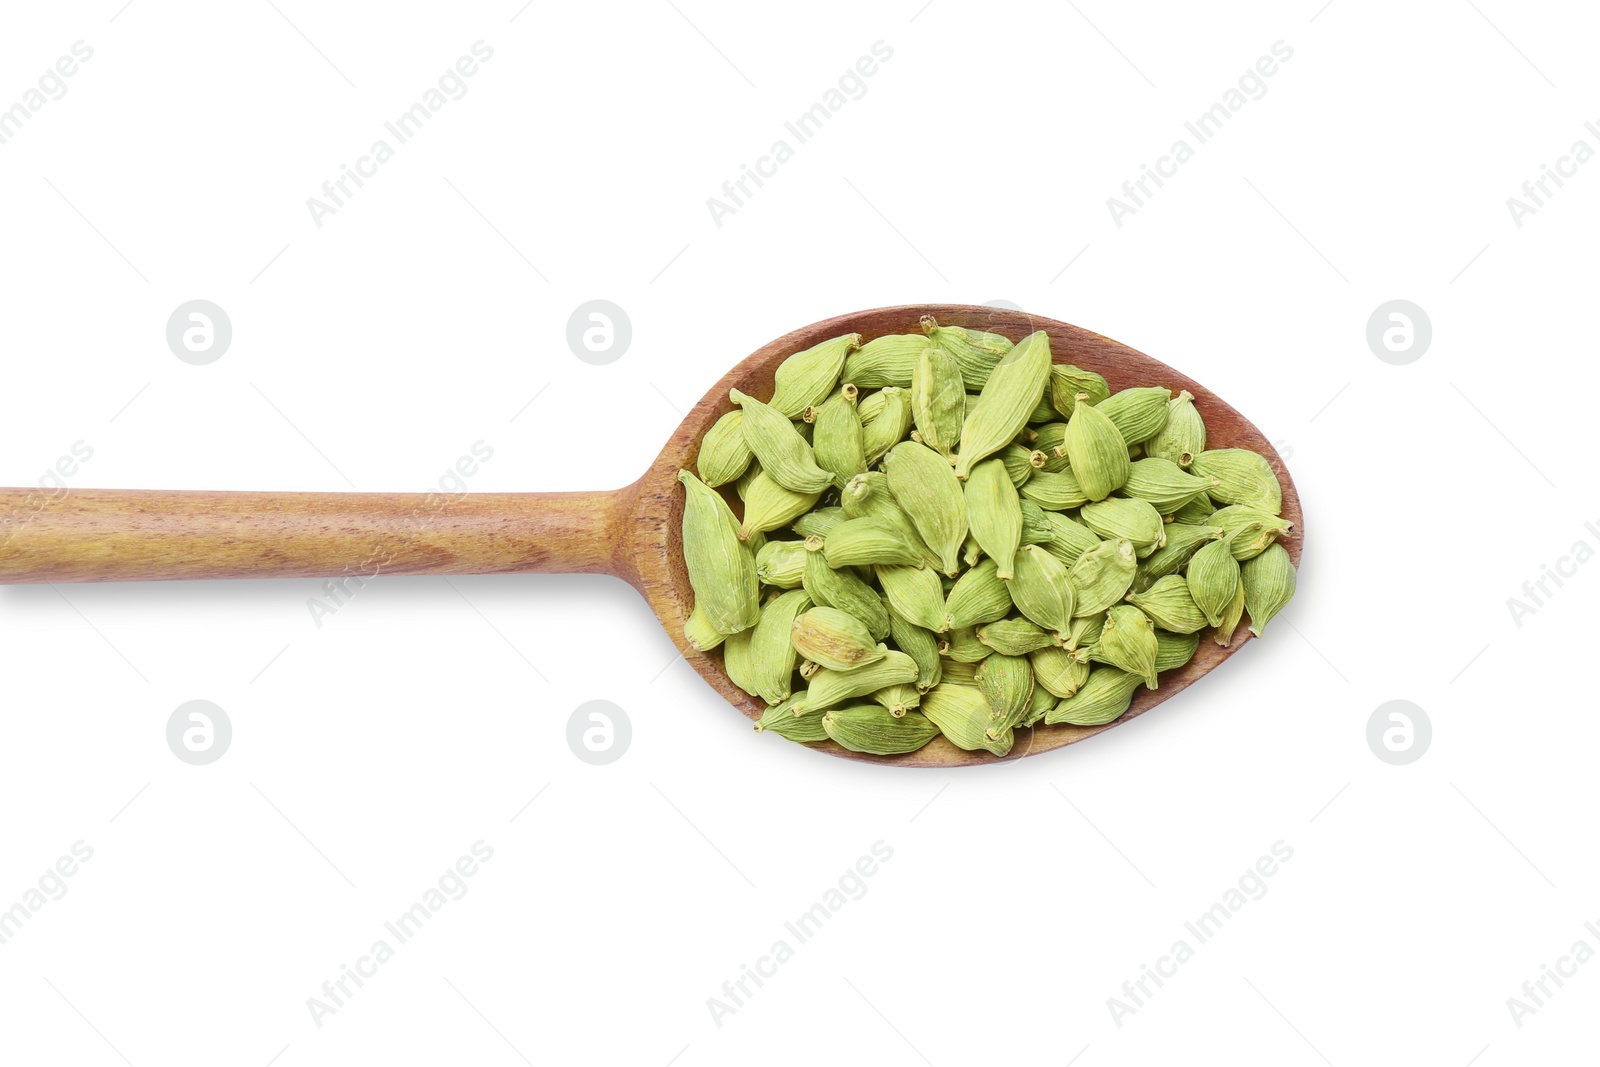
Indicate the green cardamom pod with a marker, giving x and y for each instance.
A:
(1036, 526)
(1196, 512)
(1052, 441)
(1231, 617)
(915, 594)
(1055, 491)
(975, 351)
(1183, 436)
(1128, 642)
(737, 660)
(769, 505)
(1015, 637)
(843, 590)
(784, 455)
(1174, 650)
(833, 639)
(1102, 699)
(938, 401)
(1020, 463)
(722, 570)
(1097, 452)
(1083, 634)
(1247, 543)
(836, 439)
(1163, 484)
(926, 489)
(922, 646)
(994, 513)
(1269, 582)
(817, 523)
(699, 632)
(899, 698)
(806, 378)
(1102, 575)
(835, 687)
(781, 564)
(1138, 413)
(962, 714)
(864, 542)
(1170, 605)
(789, 721)
(1136, 520)
(890, 360)
(1008, 398)
(1042, 591)
(963, 646)
(1067, 383)
(1068, 539)
(870, 728)
(723, 452)
(1239, 476)
(1006, 682)
(868, 496)
(979, 596)
(885, 418)
(1213, 577)
(1183, 541)
(772, 656)
(1057, 672)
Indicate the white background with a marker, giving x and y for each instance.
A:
(372, 751)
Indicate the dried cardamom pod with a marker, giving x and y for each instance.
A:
(737, 662)
(781, 564)
(1249, 530)
(1170, 605)
(1008, 398)
(962, 714)
(1163, 484)
(1056, 492)
(898, 699)
(1015, 637)
(817, 523)
(835, 687)
(1058, 672)
(1068, 539)
(784, 455)
(979, 596)
(1097, 452)
(723, 452)
(1052, 441)
(789, 721)
(926, 489)
(1042, 591)
(1269, 582)
(1137, 413)
(975, 352)
(885, 418)
(722, 570)
(994, 513)
(922, 646)
(870, 728)
(1102, 575)
(1213, 578)
(1231, 617)
(915, 594)
(890, 360)
(833, 639)
(1006, 682)
(1239, 476)
(938, 401)
(836, 443)
(843, 590)
(1128, 642)
(772, 656)
(1020, 463)
(1174, 650)
(1135, 520)
(1083, 634)
(1183, 541)
(1036, 526)
(1067, 383)
(768, 505)
(1183, 436)
(1196, 512)
(864, 542)
(699, 632)
(1038, 705)
(963, 646)
(1101, 699)
(806, 378)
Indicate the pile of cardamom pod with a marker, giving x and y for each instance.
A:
(947, 533)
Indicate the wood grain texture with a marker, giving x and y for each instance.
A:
(633, 533)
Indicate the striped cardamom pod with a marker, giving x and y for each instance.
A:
(768, 505)
(1269, 582)
(1138, 413)
(915, 594)
(1042, 590)
(834, 639)
(723, 452)
(1020, 463)
(1170, 605)
(1136, 520)
(898, 698)
(872, 729)
(722, 569)
(1015, 637)
(807, 378)
(772, 655)
(962, 714)
(1036, 526)
(1164, 484)
(829, 688)
(938, 401)
(885, 418)
(1213, 577)
(1058, 672)
(979, 596)
(994, 513)
(785, 456)
(865, 542)
(963, 646)
(781, 564)
(1246, 543)
(1183, 541)
(926, 489)
(817, 523)
(1067, 383)
(1102, 575)
(1008, 398)
(1097, 452)
(1055, 492)
(1183, 436)
(1006, 682)
(890, 360)
(975, 351)
(788, 720)
(1128, 642)
(843, 590)
(1174, 650)
(1238, 476)
(699, 632)
(1052, 442)
(1231, 617)
(836, 441)
(1102, 699)
(922, 646)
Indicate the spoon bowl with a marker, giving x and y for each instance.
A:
(633, 533)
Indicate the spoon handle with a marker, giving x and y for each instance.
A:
(106, 535)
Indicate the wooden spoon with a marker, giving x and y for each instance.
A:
(633, 533)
